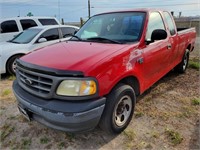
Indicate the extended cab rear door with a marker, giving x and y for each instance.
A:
(173, 39)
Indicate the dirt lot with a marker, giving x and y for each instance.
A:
(167, 116)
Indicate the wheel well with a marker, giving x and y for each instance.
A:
(133, 82)
(20, 54)
(189, 47)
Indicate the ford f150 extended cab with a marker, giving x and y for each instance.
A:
(94, 78)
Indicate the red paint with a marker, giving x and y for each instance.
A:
(110, 63)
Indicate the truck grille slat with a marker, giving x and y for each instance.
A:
(39, 87)
(35, 83)
(43, 81)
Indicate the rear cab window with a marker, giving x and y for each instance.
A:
(170, 23)
(27, 23)
(9, 26)
(48, 21)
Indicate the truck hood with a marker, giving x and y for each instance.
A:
(72, 55)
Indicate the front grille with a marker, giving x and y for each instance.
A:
(35, 83)
(42, 81)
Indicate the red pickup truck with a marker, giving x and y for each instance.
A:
(94, 78)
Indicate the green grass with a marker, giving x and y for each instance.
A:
(12, 77)
(25, 144)
(139, 114)
(44, 140)
(194, 64)
(69, 136)
(196, 101)
(174, 137)
(130, 134)
(61, 145)
(6, 130)
(6, 92)
(155, 134)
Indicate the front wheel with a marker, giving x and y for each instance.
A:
(11, 64)
(182, 66)
(119, 109)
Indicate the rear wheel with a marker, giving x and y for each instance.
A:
(119, 109)
(182, 66)
(11, 64)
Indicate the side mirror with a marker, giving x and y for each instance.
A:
(41, 40)
(158, 34)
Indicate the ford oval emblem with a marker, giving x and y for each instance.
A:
(28, 81)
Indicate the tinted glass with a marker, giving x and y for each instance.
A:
(9, 26)
(48, 21)
(26, 36)
(67, 31)
(170, 23)
(51, 34)
(121, 27)
(27, 23)
(155, 22)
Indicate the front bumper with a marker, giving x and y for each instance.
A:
(70, 116)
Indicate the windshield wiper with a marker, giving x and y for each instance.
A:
(76, 37)
(103, 39)
(14, 42)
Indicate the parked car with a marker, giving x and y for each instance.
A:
(10, 27)
(29, 40)
(96, 76)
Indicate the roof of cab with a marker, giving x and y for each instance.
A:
(52, 26)
(27, 17)
(133, 10)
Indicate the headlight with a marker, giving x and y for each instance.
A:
(77, 88)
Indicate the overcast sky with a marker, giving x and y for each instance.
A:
(72, 10)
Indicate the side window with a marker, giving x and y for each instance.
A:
(48, 21)
(51, 34)
(67, 31)
(170, 23)
(155, 22)
(27, 23)
(9, 26)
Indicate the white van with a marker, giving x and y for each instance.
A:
(10, 27)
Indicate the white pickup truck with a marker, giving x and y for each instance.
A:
(10, 27)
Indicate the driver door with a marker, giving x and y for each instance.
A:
(156, 54)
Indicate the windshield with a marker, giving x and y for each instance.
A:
(25, 36)
(114, 27)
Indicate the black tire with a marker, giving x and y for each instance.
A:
(11, 66)
(119, 109)
(182, 66)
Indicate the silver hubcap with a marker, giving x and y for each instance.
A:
(185, 62)
(123, 110)
(14, 66)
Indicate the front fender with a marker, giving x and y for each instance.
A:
(111, 72)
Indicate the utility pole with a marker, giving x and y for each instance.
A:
(89, 9)
(59, 10)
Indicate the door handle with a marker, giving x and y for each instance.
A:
(169, 46)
